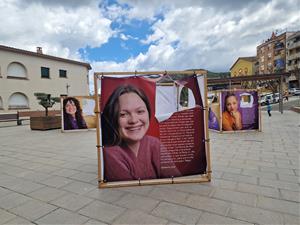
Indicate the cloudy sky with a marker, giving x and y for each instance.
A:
(128, 35)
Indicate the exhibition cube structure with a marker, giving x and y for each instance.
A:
(235, 110)
(152, 128)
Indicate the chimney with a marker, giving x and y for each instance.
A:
(39, 50)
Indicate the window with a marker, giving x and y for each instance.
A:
(63, 73)
(18, 101)
(16, 70)
(45, 72)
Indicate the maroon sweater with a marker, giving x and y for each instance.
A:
(121, 164)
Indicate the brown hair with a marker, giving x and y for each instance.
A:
(111, 111)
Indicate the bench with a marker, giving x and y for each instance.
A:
(25, 115)
(9, 117)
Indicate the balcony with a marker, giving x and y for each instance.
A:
(291, 45)
(279, 46)
(293, 56)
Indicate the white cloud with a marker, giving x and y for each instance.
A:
(193, 35)
(60, 29)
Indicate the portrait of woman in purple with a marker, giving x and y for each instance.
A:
(72, 114)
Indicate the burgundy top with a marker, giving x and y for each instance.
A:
(121, 164)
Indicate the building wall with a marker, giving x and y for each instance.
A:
(271, 55)
(55, 85)
(293, 59)
(242, 68)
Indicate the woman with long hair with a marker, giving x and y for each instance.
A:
(231, 117)
(129, 154)
(73, 118)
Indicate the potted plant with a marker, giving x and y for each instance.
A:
(46, 122)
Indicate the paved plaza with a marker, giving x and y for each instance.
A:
(50, 178)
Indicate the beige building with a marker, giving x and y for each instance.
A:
(293, 59)
(22, 73)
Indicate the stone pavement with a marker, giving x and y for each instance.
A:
(50, 178)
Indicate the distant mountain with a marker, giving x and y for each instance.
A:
(213, 75)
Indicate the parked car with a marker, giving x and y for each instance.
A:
(269, 97)
(294, 91)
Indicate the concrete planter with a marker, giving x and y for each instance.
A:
(45, 122)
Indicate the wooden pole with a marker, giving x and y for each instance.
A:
(207, 140)
(98, 133)
(281, 95)
(152, 72)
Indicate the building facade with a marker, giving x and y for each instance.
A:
(271, 55)
(293, 59)
(23, 73)
(243, 66)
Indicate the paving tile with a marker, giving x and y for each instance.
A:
(279, 184)
(65, 172)
(33, 209)
(6, 216)
(62, 216)
(56, 181)
(18, 221)
(102, 211)
(254, 215)
(259, 190)
(208, 204)
(13, 200)
(4, 192)
(79, 187)
(72, 201)
(234, 196)
(209, 218)
(239, 178)
(106, 195)
(177, 213)
(197, 188)
(141, 190)
(83, 176)
(168, 195)
(138, 217)
(131, 201)
(36, 176)
(47, 194)
(279, 205)
(291, 220)
(289, 178)
(94, 222)
(290, 195)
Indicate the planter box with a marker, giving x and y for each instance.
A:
(45, 122)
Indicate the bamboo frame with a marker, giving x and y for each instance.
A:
(206, 177)
(221, 117)
(62, 113)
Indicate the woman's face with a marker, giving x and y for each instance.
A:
(133, 117)
(70, 107)
(231, 104)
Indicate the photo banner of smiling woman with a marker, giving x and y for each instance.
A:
(152, 128)
(239, 110)
(78, 113)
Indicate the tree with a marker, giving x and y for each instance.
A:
(46, 100)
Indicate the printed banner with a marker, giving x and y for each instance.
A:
(239, 110)
(214, 112)
(148, 133)
(78, 113)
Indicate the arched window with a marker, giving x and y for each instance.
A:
(16, 70)
(1, 103)
(18, 101)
